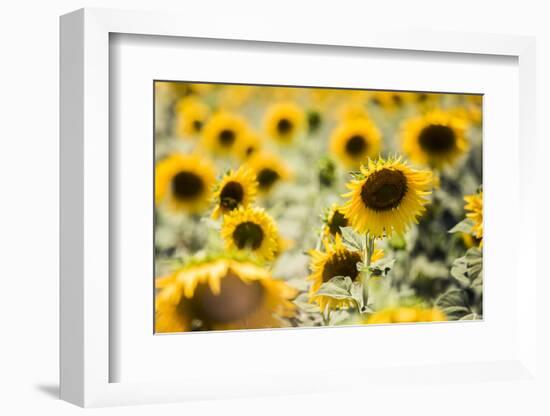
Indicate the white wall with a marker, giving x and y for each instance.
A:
(29, 56)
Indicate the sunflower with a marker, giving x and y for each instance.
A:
(388, 100)
(252, 230)
(249, 145)
(284, 121)
(336, 260)
(404, 314)
(223, 133)
(355, 140)
(333, 220)
(236, 189)
(386, 196)
(435, 139)
(191, 114)
(220, 294)
(184, 182)
(474, 206)
(269, 170)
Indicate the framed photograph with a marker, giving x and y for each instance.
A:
(238, 210)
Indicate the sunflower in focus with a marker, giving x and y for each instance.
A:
(191, 114)
(284, 121)
(386, 196)
(223, 133)
(474, 206)
(436, 139)
(336, 260)
(354, 141)
(236, 189)
(220, 294)
(184, 182)
(333, 220)
(405, 314)
(269, 170)
(252, 230)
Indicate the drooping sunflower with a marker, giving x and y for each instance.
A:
(184, 182)
(269, 170)
(333, 220)
(251, 230)
(436, 139)
(223, 133)
(220, 294)
(386, 196)
(236, 189)
(191, 115)
(336, 260)
(404, 314)
(284, 121)
(474, 206)
(355, 140)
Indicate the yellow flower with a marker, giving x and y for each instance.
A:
(406, 315)
(223, 133)
(221, 294)
(250, 145)
(336, 260)
(352, 111)
(235, 96)
(236, 189)
(388, 100)
(184, 182)
(191, 114)
(251, 230)
(284, 121)
(269, 170)
(387, 196)
(436, 139)
(333, 220)
(474, 206)
(354, 141)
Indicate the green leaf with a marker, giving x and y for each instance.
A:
(356, 292)
(302, 301)
(382, 267)
(351, 240)
(470, 317)
(464, 226)
(338, 287)
(454, 303)
(468, 270)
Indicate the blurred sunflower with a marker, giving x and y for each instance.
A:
(355, 140)
(353, 110)
(284, 121)
(269, 170)
(333, 220)
(336, 260)
(435, 139)
(388, 100)
(191, 114)
(252, 230)
(236, 189)
(220, 294)
(250, 145)
(474, 206)
(223, 133)
(184, 182)
(404, 314)
(386, 196)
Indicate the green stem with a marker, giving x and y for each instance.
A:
(368, 252)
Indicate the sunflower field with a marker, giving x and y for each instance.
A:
(296, 207)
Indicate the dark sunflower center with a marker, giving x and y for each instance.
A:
(338, 220)
(437, 139)
(226, 137)
(236, 300)
(384, 189)
(187, 185)
(248, 235)
(313, 121)
(231, 195)
(341, 264)
(397, 100)
(284, 126)
(356, 145)
(266, 178)
(197, 125)
(250, 150)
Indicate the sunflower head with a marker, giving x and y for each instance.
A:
(405, 314)
(354, 141)
(388, 100)
(251, 230)
(386, 196)
(250, 145)
(236, 189)
(221, 293)
(333, 220)
(474, 211)
(284, 121)
(191, 115)
(269, 170)
(436, 139)
(184, 182)
(223, 133)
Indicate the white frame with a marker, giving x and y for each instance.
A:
(85, 183)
